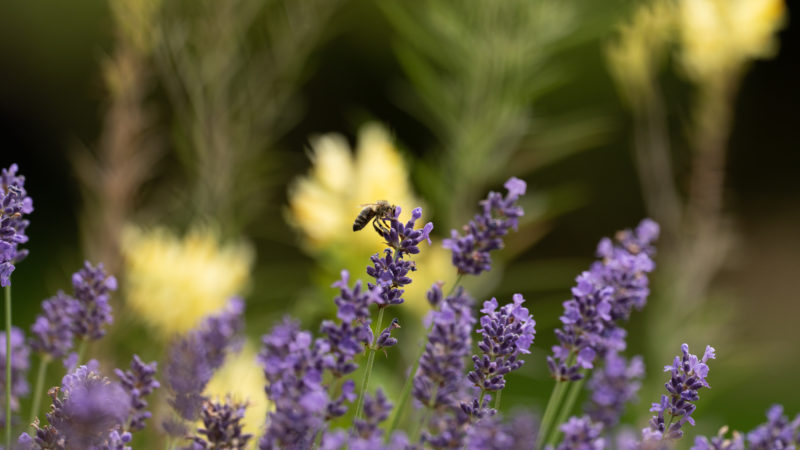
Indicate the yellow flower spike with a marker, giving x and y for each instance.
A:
(173, 282)
(242, 378)
(719, 37)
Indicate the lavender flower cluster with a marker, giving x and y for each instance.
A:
(15, 204)
(603, 296)
(307, 377)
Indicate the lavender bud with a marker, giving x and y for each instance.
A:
(92, 287)
(581, 433)
(15, 204)
(139, 382)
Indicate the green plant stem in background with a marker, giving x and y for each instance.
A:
(8, 365)
(370, 362)
(552, 406)
(38, 388)
(574, 390)
(406, 392)
(426, 416)
(82, 351)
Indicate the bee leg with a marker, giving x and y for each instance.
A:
(378, 227)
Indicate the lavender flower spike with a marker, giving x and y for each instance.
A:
(612, 387)
(688, 375)
(88, 411)
(581, 433)
(778, 432)
(52, 332)
(222, 427)
(441, 366)
(14, 206)
(138, 382)
(20, 362)
(486, 230)
(92, 286)
(507, 332)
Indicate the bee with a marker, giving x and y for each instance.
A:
(377, 212)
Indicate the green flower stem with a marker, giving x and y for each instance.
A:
(497, 400)
(82, 351)
(8, 365)
(574, 390)
(37, 391)
(552, 406)
(370, 362)
(406, 392)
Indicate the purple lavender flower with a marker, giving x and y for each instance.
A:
(580, 433)
(20, 362)
(486, 230)
(194, 357)
(293, 364)
(337, 407)
(222, 427)
(92, 287)
(603, 296)
(367, 435)
(612, 387)
(720, 442)
(87, 412)
(507, 332)
(52, 332)
(385, 338)
(688, 375)
(391, 270)
(376, 410)
(14, 205)
(777, 433)
(490, 433)
(440, 377)
(350, 337)
(138, 382)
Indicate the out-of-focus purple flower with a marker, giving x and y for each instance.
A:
(441, 366)
(194, 357)
(720, 442)
(612, 387)
(15, 204)
(92, 287)
(353, 334)
(222, 427)
(139, 382)
(486, 230)
(88, 410)
(491, 433)
(293, 364)
(688, 375)
(52, 332)
(337, 407)
(580, 433)
(390, 271)
(341, 440)
(777, 433)
(20, 362)
(376, 410)
(603, 296)
(507, 332)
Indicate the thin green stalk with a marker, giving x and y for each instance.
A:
(497, 400)
(368, 370)
(574, 391)
(8, 365)
(37, 391)
(82, 351)
(552, 407)
(406, 392)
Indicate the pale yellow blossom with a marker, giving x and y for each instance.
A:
(719, 37)
(324, 204)
(172, 282)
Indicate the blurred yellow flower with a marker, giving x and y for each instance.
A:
(636, 56)
(720, 36)
(173, 282)
(242, 378)
(324, 204)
